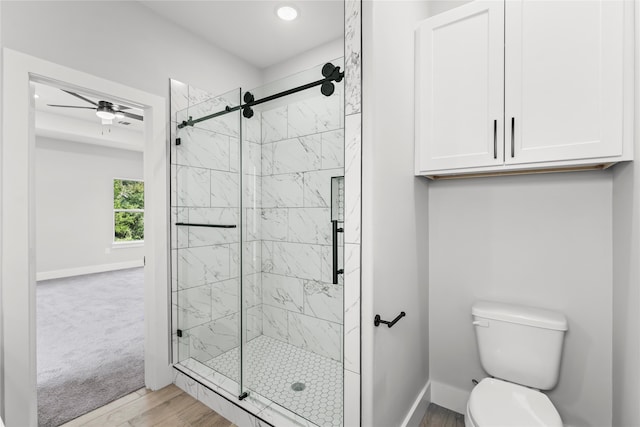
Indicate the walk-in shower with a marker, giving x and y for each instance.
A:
(257, 242)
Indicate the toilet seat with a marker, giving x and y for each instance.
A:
(497, 403)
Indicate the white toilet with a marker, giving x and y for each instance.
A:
(521, 348)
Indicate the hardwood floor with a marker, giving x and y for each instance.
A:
(168, 407)
(437, 416)
(171, 407)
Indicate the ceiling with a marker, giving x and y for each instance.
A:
(251, 30)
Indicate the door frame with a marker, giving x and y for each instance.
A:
(17, 256)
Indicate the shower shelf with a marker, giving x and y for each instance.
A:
(207, 225)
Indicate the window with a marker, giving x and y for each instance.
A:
(128, 210)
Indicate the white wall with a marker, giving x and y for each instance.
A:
(74, 205)
(309, 59)
(395, 237)
(626, 294)
(144, 51)
(540, 240)
(626, 276)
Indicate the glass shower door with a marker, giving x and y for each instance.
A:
(207, 230)
(293, 157)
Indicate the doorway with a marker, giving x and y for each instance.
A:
(19, 232)
(89, 209)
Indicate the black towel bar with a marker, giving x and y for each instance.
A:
(206, 225)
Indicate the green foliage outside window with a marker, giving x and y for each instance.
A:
(128, 205)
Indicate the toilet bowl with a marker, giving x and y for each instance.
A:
(521, 348)
(497, 403)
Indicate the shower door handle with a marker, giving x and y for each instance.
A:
(335, 231)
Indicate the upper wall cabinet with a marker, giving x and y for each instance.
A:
(524, 86)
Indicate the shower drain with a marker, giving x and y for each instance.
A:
(297, 386)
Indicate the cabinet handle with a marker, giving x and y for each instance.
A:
(513, 136)
(495, 139)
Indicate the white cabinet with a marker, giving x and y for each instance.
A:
(523, 85)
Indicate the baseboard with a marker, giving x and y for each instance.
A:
(419, 407)
(449, 397)
(90, 269)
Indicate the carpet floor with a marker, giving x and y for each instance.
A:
(90, 342)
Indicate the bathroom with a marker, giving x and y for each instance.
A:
(561, 241)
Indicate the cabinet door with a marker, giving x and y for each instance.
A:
(459, 88)
(563, 79)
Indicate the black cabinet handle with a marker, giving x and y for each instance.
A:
(513, 136)
(335, 231)
(495, 139)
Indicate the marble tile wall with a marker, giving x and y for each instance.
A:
(302, 149)
(353, 218)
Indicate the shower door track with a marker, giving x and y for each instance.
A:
(330, 72)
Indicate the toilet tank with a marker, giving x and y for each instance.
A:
(520, 344)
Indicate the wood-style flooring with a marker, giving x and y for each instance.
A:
(437, 416)
(171, 407)
(168, 407)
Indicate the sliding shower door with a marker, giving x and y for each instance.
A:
(293, 192)
(207, 235)
(258, 243)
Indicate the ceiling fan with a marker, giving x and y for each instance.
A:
(104, 109)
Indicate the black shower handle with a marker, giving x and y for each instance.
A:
(335, 231)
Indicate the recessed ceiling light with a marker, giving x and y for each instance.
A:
(287, 13)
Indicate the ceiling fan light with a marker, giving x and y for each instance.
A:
(107, 121)
(119, 115)
(105, 113)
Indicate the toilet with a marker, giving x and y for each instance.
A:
(521, 348)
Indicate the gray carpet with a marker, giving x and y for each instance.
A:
(90, 342)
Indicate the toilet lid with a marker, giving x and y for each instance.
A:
(497, 403)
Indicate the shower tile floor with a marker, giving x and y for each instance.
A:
(273, 366)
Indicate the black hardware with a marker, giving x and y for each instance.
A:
(330, 72)
(377, 320)
(248, 97)
(207, 225)
(335, 231)
(247, 112)
(243, 396)
(178, 141)
(327, 88)
(495, 139)
(179, 333)
(513, 126)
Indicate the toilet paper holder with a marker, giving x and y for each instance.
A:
(377, 320)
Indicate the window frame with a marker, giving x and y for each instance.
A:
(124, 243)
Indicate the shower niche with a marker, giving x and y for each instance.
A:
(257, 213)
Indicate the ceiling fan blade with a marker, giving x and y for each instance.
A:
(80, 96)
(122, 107)
(70, 106)
(131, 115)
